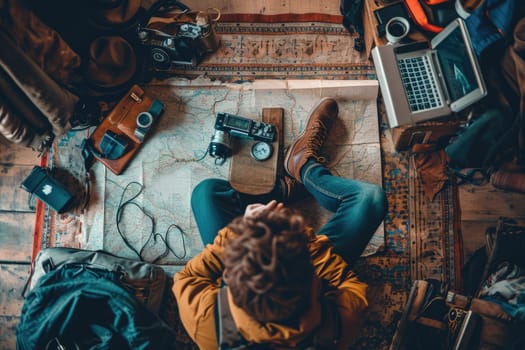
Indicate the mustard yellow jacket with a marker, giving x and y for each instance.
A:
(196, 287)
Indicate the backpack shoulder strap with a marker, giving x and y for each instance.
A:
(227, 333)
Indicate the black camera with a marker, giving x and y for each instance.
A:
(46, 188)
(183, 43)
(227, 124)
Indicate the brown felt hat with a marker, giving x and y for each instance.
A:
(114, 12)
(111, 62)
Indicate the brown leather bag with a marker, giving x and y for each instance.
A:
(513, 71)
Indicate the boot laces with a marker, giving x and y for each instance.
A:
(316, 141)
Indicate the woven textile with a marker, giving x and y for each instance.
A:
(288, 46)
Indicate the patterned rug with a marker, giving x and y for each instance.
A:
(308, 46)
(435, 244)
(388, 273)
(421, 239)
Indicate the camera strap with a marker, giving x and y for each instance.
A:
(164, 12)
(112, 146)
(163, 6)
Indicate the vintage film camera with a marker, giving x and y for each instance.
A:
(42, 184)
(227, 125)
(181, 39)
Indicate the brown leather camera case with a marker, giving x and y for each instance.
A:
(122, 120)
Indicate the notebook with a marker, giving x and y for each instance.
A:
(426, 80)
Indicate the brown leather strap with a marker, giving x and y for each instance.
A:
(479, 306)
(429, 322)
(227, 334)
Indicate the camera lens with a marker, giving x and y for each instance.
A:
(159, 55)
(397, 28)
(144, 120)
(161, 59)
(220, 145)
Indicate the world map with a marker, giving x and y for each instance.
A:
(149, 203)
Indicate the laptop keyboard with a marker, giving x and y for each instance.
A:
(419, 82)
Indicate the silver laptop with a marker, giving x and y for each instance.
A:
(422, 81)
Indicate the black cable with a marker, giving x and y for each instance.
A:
(168, 246)
(30, 201)
(153, 235)
(204, 156)
(120, 210)
(87, 195)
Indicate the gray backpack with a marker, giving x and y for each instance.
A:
(144, 280)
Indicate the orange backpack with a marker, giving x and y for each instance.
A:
(420, 16)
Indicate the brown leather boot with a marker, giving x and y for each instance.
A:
(290, 189)
(311, 139)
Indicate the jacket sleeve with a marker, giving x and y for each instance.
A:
(20, 122)
(344, 291)
(55, 103)
(196, 286)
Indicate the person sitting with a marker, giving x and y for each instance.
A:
(286, 284)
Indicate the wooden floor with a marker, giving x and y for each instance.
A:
(17, 217)
(481, 206)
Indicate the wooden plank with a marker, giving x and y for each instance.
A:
(8, 326)
(473, 234)
(486, 203)
(16, 236)
(371, 36)
(13, 278)
(248, 175)
(268, 7)
(15, 154)
(481, 207)
(12, 196)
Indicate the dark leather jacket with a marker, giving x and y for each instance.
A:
(34, 104)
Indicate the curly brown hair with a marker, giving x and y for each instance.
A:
(268, 267)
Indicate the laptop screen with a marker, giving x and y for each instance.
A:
(456, 65)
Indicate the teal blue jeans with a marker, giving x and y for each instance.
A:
(358, 207)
